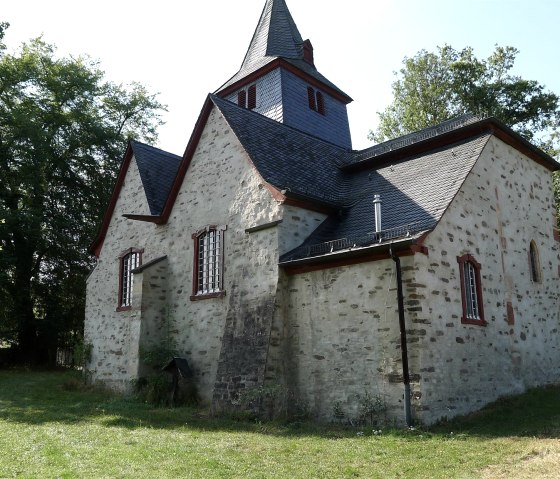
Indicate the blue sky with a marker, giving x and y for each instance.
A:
(185, 50)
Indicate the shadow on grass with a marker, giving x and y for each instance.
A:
(44, 397)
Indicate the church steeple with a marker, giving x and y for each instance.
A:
(278, 78)
(276, 35)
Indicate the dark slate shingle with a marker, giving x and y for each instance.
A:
(276, 36)
(158, 169)
(414, 191)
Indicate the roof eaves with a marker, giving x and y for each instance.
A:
(380, 155)
(371, 252)
(95, 247)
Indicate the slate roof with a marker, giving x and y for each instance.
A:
(415, 191)
(276, 36)
(158, 169)
(286, 157)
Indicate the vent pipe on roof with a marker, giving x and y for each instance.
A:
(377, 210)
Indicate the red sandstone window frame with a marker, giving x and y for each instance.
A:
(129, 260)
(208, 262)
(471, 291)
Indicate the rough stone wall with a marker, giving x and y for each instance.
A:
(226, 338)
(115, 335)
(343, 338)
(151, 291)
(505, 203)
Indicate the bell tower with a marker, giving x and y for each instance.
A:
(278, 79)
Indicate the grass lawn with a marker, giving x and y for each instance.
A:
(48, 431)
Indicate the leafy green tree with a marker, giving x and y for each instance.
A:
(434, 87)
(63, 130)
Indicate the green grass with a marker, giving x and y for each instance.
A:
(48, 430)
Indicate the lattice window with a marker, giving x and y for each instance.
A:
(471, 290)
(209, 260)
(128, 261)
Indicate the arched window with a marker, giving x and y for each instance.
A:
(535, 263)
(208, 280)
(128, 261)
(316, 100)
(471, 290)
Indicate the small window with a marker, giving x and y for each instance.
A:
(242, 98)
(311, 98)
(208, 262)
(247, 98)
(534, 263)
(316, 100)
(471, 290)
(320, 103)
(252, 97)
(128, 261)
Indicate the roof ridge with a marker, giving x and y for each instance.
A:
(416, 136)
(146, 145)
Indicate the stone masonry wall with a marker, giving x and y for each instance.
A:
(343, 338)
(505, 203)
(115, 335)
(225, 339)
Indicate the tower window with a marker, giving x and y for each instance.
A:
(252, 97)
(316, 100)
(247, 98)
(242, 98)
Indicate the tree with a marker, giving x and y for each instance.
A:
(434, 87)
(63, 130)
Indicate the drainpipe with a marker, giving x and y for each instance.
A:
(404, 349)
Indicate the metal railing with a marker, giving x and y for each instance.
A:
(367, 240)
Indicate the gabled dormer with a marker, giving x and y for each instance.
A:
(278, 79)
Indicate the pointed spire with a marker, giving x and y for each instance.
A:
(276, 35)
(277, 38)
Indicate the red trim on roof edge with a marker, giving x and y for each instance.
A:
(349, 261)
(187, 158)
(490, 126)
(97, 244)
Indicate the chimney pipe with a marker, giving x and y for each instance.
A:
(308, 52)
(377, 210)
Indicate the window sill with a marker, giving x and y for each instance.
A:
(123, 308)
(475, 322)
(200, 297)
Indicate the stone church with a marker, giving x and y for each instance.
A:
(423, 271)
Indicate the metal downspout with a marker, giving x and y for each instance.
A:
(404, 348)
